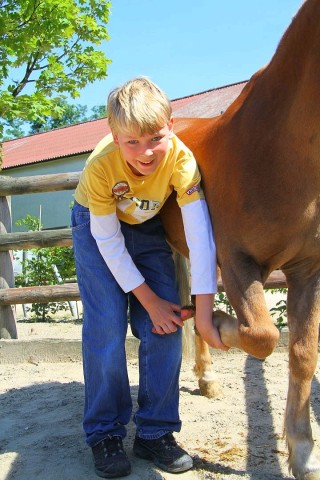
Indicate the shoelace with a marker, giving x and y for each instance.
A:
(112, 446)
(169, 441)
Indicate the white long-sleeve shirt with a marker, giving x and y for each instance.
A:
(112, 192)
(197, 226)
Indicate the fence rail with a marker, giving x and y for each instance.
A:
(26, 240)
(11, 296)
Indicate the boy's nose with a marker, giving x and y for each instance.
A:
(148, 152)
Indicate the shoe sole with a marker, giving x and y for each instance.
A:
(112, 475)
(146, 455)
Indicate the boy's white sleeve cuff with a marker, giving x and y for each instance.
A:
(107, 233)
(202, 249)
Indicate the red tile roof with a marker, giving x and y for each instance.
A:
(58, 143)
(82, 138)
(209, 104)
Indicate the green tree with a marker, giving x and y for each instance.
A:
(48, 50)
(99, 111)
(14, 128)
(71, 114)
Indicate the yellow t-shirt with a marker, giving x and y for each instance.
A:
(108, 185)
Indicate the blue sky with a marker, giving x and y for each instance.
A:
(187, 47)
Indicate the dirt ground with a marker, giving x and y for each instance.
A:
(238, 435)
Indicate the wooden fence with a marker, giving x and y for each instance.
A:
(10, 296)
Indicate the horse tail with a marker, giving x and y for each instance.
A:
(183, 278)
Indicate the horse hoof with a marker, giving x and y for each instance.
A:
(4, 334)
(315, 475)
(210, 389)
(311, 476)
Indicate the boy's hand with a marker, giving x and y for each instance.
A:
(212, 337)
(164, 316)
(204, 322)
(212, 334)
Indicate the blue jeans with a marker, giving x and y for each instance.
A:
(108, 403)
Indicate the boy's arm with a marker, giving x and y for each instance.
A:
(107, 233)
(202, 252)
(208, 332)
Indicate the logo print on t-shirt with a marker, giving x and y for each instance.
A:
(195, 188)
(120, 188)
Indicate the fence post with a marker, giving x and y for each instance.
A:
(8, 326)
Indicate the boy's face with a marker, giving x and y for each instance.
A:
(144, 154)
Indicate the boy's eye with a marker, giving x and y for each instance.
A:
(133, 142)
(157, 138)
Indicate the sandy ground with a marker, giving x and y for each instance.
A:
(238, 435)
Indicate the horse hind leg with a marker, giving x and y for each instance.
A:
(203, 369)
(193, 344)
(303, 308)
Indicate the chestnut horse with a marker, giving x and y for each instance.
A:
(260, 165)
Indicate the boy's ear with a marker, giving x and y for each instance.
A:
(170, 126)
(115, 137)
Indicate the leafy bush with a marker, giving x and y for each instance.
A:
(221, 302)
(280, 310)
(45, 266)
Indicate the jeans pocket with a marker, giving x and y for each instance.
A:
(80, 217)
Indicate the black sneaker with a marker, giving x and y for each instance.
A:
(164, 452)
(110, 460)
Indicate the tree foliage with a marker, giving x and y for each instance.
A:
(48, 50)
(70, 114)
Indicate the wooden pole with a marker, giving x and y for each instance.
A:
(8, 327)
(38, 183)
(40, 294)
(43, 238)
(61, 293)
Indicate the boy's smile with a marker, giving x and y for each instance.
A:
(144, 154)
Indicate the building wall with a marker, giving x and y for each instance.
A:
(53, 206)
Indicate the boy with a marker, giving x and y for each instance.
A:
(122, 258)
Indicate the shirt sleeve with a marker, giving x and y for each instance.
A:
(107, 233)
(202, 249)
(186, 179)
(98, 191)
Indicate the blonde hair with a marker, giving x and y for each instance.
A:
(138, 106)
